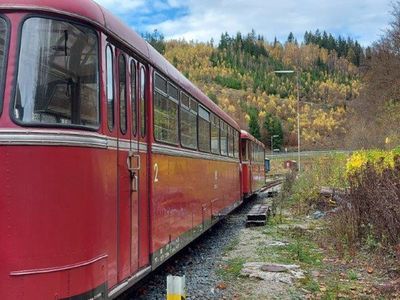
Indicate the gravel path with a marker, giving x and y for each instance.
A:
(198, 262)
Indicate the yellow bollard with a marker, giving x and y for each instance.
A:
(176, 288)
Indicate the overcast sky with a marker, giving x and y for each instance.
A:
(202, 20)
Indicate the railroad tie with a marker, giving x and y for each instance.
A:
(258, 215)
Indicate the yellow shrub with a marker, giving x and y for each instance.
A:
(378, 159)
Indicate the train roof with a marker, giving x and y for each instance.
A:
(92, 12)
(245, 135)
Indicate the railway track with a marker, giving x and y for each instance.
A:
(200, 261)
(272, 184)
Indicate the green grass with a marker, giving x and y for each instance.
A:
(299, 250)
(310, 284)
(305, 252)
(352, 275)
(232, 245)
(232, 268)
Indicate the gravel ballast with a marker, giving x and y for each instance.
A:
(198, 262)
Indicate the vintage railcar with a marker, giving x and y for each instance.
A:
(253, 164)
(111, 160)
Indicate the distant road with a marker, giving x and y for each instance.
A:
(293, 155)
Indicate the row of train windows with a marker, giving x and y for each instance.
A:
(58, 77)
(178, 118)
(258, 153)
(123, 93)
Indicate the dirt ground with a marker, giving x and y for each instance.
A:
(286, 260)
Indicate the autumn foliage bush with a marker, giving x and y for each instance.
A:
(374, 196)
(369, 217)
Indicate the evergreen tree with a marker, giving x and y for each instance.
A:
(156, 39)
(290, 38)
(274, 128)
(351, 56)
(254, 127)
(308, 38)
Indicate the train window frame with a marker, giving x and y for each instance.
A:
(17, 64)
(244, 150)
(164, 93)
(133, 96)
(215, 124)
(187, 108)
(231, 142)
(123, 118)
(157, 78)
(236, 146)
(204, 118)
(143, 73)
(223, 128)
(4, 63)
(110, 85)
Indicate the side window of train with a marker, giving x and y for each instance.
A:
(143, 105)
(215, 144)
(244, 152)
(3, 45)
(231, 142)
(122, 94)
(110, 88)
(188, 121)
(236, 144)
(166, 100)
(133, 97)
(223, 138)
(204, 130)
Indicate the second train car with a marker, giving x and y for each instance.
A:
(253, 164)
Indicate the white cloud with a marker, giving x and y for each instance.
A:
(362, 19)
(206, 19)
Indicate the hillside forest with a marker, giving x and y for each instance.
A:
(349, 96)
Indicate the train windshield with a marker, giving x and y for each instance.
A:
(3, 42)
(58, 74)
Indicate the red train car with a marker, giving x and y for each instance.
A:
(111, 160)
(253, 164)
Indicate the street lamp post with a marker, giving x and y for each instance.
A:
(298, 108)
(272, 143)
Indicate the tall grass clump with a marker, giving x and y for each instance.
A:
(326, 171)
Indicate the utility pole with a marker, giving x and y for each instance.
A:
(298, 110)
(298, 120)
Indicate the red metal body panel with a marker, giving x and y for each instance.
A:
(246, 182)
(179, 206)
(51, 222)
(257, 176)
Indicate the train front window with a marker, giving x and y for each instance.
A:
(3, 43)
(58, 74)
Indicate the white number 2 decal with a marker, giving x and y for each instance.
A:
(155, 172)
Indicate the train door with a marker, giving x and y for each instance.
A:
(124, 205)
(134, 165)
(142, 138)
